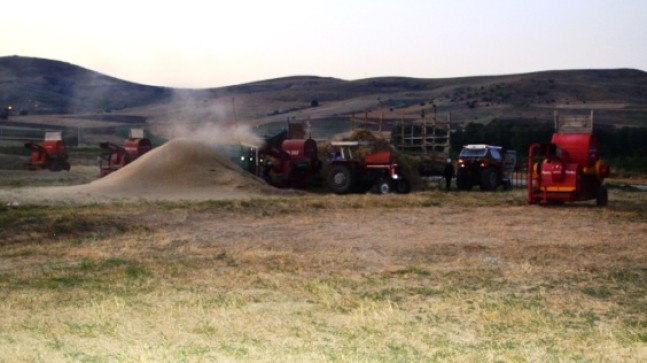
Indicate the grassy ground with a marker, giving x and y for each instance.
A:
(426, 277)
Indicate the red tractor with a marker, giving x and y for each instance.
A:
(381, 169)
(569, 168)
(117, 157)
(51, 155)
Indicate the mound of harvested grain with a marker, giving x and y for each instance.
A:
(180, 167)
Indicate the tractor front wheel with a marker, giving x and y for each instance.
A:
(402, 186)
(341, 179)
(385, 186)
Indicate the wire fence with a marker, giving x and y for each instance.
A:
(519, 177)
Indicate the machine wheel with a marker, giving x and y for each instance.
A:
(55, 166)
(385, 186)
(489, 179)
(462, 181)
(402, 186)
(341, 179)
(602, 197)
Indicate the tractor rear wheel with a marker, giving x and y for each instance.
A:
(402, 186)
(489, 179)
(602, 196)
(341, 179)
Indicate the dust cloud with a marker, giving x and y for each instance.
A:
(217, 134)
(198, 116)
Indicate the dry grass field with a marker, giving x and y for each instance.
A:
(426, 277)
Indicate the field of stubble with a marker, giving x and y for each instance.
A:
(426, 277)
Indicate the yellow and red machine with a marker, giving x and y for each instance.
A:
(117, 157)
(52, 154)
(569, 168)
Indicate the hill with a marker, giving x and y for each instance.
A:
(56, 93)
(40, 86)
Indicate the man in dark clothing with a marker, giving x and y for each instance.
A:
(448, 173)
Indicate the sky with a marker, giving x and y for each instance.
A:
(203, 44)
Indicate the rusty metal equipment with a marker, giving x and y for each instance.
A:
(51, 155)
(569, 168)
(116, 157)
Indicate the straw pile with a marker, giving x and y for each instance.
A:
(179, 169)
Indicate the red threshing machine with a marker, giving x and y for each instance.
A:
(287, 159)
(117, 157)
(569, 168)
(292, 163)
(51, 155)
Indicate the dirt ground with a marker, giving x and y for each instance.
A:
(367, 230)
(181, 257)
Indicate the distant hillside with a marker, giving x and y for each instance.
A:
(618, 96)
(40, 86)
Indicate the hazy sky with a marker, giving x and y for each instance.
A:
(206, 43)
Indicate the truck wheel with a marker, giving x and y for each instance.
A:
(507, 185)
(462, 181)
(402, 186)
(489, 179)
(602, 196)
(341, 179)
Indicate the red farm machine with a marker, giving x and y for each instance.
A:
(291, 163)
(116, 157)
(569, 168)
(286, 160)
(52, 154)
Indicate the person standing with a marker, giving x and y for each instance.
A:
(448, 173)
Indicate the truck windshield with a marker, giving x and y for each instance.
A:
(472, 153)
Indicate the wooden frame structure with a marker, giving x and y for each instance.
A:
(410, 134)
(426, 137)
(573, 124)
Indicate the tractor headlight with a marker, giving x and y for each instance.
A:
(396, 176)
